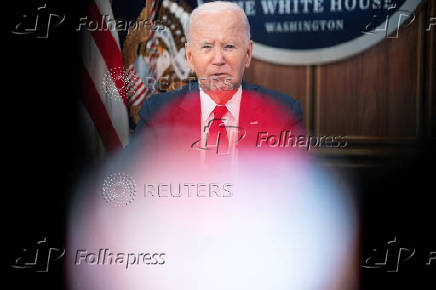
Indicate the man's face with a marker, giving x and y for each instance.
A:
(219, 50)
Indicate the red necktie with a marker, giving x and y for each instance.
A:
(217, 130)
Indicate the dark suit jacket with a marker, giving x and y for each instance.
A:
(173, 120)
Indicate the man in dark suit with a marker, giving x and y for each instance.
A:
(220, 113)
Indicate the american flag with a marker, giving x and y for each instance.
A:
(104, 100)
(136, 90)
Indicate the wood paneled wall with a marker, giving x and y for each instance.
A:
(384, 95)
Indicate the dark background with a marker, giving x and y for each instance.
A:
(44, 155)
(43, 150)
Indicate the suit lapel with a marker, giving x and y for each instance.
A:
(250, 109)
(186, 118)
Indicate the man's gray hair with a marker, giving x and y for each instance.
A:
(214, 7)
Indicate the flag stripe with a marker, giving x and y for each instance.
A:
(107, 45)
(96, 67)
(97, 112)
(105, 7)
(139, 99)
(104, 97)
(135, 88)
(139, 94)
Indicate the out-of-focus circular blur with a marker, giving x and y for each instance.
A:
(273, 223)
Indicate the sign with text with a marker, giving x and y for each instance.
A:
(319, 31)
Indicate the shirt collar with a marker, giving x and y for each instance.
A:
(207, 104)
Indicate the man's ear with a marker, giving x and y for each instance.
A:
(249, 53)
(188, 53)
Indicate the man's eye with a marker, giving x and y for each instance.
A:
(206, 46)
(229, 46)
